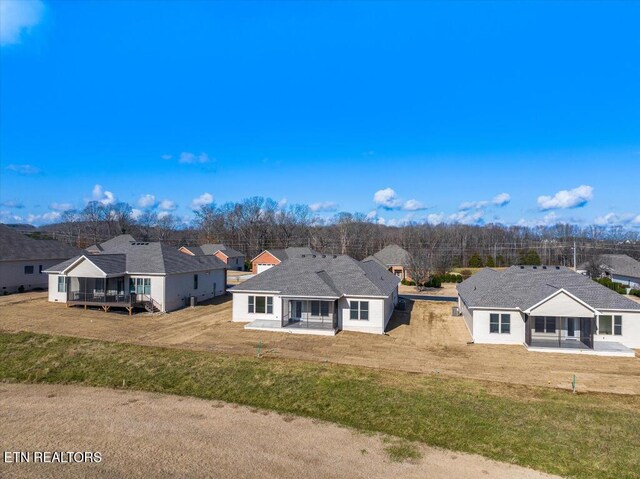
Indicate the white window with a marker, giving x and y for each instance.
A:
(500, 323)
(617, 325)
(28, 270)
(140, 285)
(62, 284)
(605, 325)
(261, 304)
(359, 310)
(320, 308)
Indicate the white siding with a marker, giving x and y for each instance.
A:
(630, 330)
(178, 288)
(12, 275)
(467, 315)
(626, 280)
(562, 305)
(481, 334)
(377, 316)
(241, 308)
(86, 269)
(54, 296)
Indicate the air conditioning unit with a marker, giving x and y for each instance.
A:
(193, 301)
(455, 311)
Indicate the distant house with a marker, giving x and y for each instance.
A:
(547, 307)
(395, 259)
(23, 260)
(232, 258)
(272, 257)
(121, 240)
(620, 268)
(318, 294)
(133, 275)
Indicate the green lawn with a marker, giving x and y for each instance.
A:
(583, 435)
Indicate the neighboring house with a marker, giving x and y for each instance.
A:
(117, 241)
(272, 257)
(318, 294)
(232, 258)
(547, 307)
(23, 260)
(395, 259)
(620, 268)
(132, 275)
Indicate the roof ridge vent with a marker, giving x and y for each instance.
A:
(544, 267)
(521, 267)
(535, 267)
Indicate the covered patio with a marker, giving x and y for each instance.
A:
(574, 333)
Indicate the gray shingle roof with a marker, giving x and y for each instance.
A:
(211, 249)
(524, 286)
(324, 275)
(392, 255)
(291, 252)
(618, 264)
(114, 242)
(148, 258)
(14, 246)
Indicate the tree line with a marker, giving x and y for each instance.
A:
(255, 224)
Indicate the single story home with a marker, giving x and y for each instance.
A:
(23, 260)
(395, 258)
(621, 268)
(146, 275)
(272, 257)
(548, 307)
(318, 294)
(234, 259)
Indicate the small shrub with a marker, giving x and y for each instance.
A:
(406, 282)
(466, 273)
(635, 292)
(20, 289)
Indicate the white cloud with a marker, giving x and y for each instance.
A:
(43, 218)
(61, 206)
(323, 206)
(168, 205)
(166, 157)
(190, 158)
(413, 205)
(502, 199)
(636, 220)
(25, 170)
(387, 198)
(616, 219)
(202, 200)
(147, 201)
(549, 219)
(7, 216)
(466, 217)
(105, 197)
(136, 213)
(372, 215)
(282, 203)
(435, 218)
(472, 205)
(18, 17)
(12, 204)
(163, 214)
(574, 198)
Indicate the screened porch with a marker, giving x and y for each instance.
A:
(310, 313)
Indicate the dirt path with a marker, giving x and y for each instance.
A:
(155, 435)
(426, 339)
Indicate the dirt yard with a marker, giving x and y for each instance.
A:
(156, 435)
(426, 339)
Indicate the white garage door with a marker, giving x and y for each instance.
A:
(263, 267)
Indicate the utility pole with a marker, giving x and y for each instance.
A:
(575, 266)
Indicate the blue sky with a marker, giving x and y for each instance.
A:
(523, 113)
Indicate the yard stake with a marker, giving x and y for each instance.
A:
(259, 348)
(573, 384)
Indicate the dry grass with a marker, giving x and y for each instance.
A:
(424, 340)
(577, 435)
